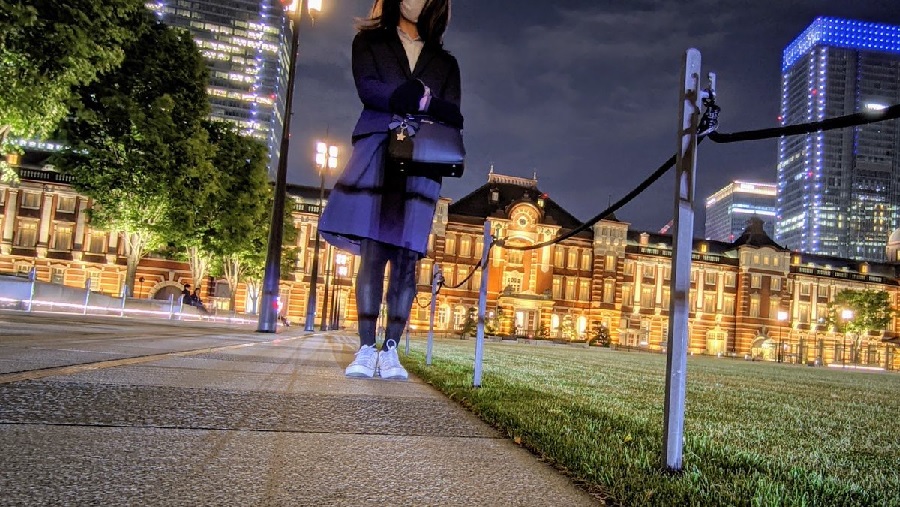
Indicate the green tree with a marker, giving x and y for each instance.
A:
(136, 145)
(246, 258)
(227, 199)
(600, 336)
(870, 312)
(50, 47)
(228, 235)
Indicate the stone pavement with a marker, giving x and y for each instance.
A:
(108, 411)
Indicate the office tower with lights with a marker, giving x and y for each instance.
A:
(839, 191)
(245, 44)
(729, 209)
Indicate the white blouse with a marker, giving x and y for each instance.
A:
(413, 48)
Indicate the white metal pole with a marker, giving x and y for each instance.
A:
(171, 306)
(32, 275)
(482, 305)
(407, 340)
(676, 353)
(87, 295)
(435, 280)
(124, 297)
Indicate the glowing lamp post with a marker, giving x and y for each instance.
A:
(782, 318)
(326, 158)
(268, 311)
(846, 316)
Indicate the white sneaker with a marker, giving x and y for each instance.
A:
(364, 364)
(389, 364)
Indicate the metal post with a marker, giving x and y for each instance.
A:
(314, 274)
(407, 339)
(32, 276)
(676, 353)
(435, 281)
(87, 295)
(323, 324)
(171, 306)
(482, 305)
(124, 297)
(268, 314)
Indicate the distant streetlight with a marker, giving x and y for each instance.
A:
(782, 318)
(268, 312)
(326, 158)
(846, 316)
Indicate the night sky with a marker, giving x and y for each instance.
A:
(582, 92)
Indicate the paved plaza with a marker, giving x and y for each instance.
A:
(110, 411)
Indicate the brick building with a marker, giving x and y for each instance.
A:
(749, 298)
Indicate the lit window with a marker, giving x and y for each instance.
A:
(609, 291)
(26, 234)
(65, 204)
(97, 243)
(62, 237)
(31, 200)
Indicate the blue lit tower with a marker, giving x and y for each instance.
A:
(245, 44)
(839, 191)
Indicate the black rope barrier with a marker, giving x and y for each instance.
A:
(603, 214)
(711, 117)
(441, 284)
(839, 122)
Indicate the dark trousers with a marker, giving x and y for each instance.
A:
(374, 256)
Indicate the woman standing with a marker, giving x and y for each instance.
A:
(400, 67)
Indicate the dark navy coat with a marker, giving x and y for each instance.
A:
(368, 203)
(380, 66)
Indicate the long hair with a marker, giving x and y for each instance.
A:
(431, 25)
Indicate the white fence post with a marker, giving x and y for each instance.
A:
(482, 305)
(124, 297)
(680, 285)
(32, 276)
(87, 295)
(435, 280)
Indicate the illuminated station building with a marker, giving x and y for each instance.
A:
(245, 45)
(729, 210)
(839, 191)
(750, 298)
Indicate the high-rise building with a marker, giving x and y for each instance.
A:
(245, 44)
(729, 209)
(839, 191)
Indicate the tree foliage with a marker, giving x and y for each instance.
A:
(136, 145)
(871, 311)
(50, 47)
(228, 228)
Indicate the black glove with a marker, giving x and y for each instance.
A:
(406, 97)
(446, 112)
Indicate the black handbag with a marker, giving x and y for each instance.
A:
(419, 145)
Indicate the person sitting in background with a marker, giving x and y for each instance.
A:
(186, 296)
(196, 301)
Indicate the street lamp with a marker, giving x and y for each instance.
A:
(782, 317)
(268, 312)
(326, 158)
(846, 316)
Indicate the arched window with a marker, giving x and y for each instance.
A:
(581, 327)
(459, 317)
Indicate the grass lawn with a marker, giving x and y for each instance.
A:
(757, 434)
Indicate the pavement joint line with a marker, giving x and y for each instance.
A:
(36, 374)
(213, 429)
